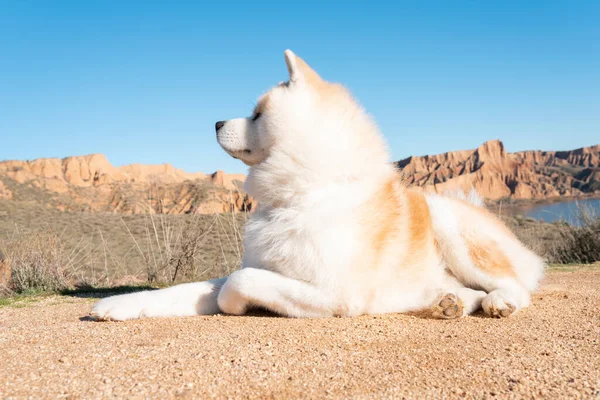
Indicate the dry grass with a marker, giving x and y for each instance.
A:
(103, 249)
(52, 250)
(541, 237)
(174, 247)
(36, 261)
(559, 242)
(581, 244)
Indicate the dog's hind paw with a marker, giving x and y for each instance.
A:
(496, 306)
(447, 306)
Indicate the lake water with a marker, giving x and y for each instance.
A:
(565, 211)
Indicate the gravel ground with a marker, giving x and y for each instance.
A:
(49, 349)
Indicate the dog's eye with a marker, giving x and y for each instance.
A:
(256, 116)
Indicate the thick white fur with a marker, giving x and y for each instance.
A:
(317, 164)
(472, 197)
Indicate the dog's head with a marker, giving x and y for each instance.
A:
(281, 110)
(303, 132)
(306, 108)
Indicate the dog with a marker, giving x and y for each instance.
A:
(337, 233)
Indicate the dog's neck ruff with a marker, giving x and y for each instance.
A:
(274, 189)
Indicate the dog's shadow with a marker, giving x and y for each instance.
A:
(257, 312)
(253, 313)
(90, 292)
(426, 314)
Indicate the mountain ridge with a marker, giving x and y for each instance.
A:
(497, 174)
(92, 183)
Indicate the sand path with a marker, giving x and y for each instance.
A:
(48, 349)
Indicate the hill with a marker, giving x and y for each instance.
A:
(496, 174)
(92, 183)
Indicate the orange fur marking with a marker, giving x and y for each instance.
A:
(263, 104)
(489, 258)
(420, 220)
(386, 203)
(309, 74)
(410, 218)
(324, 88)
(485, 253)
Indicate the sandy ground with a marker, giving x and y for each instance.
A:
(49, 349)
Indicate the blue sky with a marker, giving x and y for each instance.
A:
(145, 81)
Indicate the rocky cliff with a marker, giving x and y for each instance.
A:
(496, 174)
(92, 183)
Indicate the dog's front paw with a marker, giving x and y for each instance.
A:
(120, 308)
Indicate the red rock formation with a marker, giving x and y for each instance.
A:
(91, 183)
(496, 174)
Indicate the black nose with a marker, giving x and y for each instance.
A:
(219, 125)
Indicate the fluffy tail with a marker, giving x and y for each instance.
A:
(472, 197)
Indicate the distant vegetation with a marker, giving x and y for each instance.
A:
(52, 250)
(46, 249)
(559, 242)
(581, 244)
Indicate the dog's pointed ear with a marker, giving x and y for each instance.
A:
(299, 70)
(292, 65)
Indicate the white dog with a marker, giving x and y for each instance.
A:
(336, 232)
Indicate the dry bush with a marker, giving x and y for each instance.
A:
(175, 249)
(171, 248)
(4, 275)
(42, 260)
(560, 242)
(108, 248)
(36, 261)
(581, 244)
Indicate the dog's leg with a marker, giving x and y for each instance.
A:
(199, 298)
(251, 287)
(458, 303)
